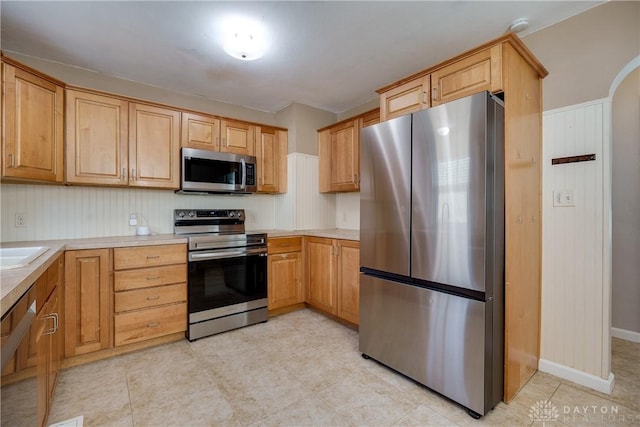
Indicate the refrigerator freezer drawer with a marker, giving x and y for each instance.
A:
(435, 338)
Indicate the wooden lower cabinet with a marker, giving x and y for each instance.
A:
(348, 304)
(87, 301)
(333, 276)
(285, 272)
(150, 292)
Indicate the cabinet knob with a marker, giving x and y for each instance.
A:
(11, 161)
(434, 94)
(153, 325)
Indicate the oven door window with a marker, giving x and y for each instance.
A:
(223, 282)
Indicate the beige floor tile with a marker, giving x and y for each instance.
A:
(578, 407)
(540, 387)
(202, 406)
(304, 412)
(365, 399)
(304, 369)
(19, 403)
(424, 415)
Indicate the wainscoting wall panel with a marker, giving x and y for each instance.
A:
(575, 295)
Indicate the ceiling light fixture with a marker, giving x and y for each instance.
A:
(244, 39)
(518, 25)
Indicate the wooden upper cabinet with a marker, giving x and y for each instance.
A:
(476, 73)
(271, 155)
(370, 118)
(32, 119)
(404, 99)
(154, 146)
(339, 151)
(199, 131)
(97, 139)
(237, 137)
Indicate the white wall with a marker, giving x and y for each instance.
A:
(575, 293)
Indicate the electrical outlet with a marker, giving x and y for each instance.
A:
(133, 219)
(21, 219)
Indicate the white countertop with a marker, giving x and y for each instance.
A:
(16, 282)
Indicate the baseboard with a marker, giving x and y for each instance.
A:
(625, 335)
(578, 377)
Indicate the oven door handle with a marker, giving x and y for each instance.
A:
(234, 253)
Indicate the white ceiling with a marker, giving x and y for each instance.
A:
(329, 55)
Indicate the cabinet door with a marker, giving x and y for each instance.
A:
(202, 132)
(339, 152)
(87, 304)
(97, 139)
(349, 280)
(476, 73)
(32, 140)
(237, 137)
(154, 147)
(271, 154)
(321, 273)
(285, 280)
(404, 99)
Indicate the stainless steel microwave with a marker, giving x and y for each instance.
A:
(206, 171)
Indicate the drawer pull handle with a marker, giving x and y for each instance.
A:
(153, 297)
(153, 256)
(153, 278)
(153, 325)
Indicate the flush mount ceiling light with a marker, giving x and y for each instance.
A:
(519, 25)
(244, 39)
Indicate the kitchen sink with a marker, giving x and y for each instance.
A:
(19, 257)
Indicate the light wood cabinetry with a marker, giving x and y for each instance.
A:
(271, 155)
(97, 139)
(348, 289)
(333, 281)
(87, 301)
(339, 153)
(32, 123)
(285, 272)
(506, 66)
(111, 141)
(200, 131)
(405, 98)
(150, 292)
(154, 146)
(476, 73)
(237, 137)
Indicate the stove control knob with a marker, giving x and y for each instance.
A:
(181, 214)
(240, 214)
(232, 214)
(192, 214)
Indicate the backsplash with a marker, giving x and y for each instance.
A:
(60, 212)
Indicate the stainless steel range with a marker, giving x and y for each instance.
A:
(227, 271)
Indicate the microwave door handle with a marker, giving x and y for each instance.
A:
(244, 174)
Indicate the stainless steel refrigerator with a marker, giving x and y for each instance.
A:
(432, 248)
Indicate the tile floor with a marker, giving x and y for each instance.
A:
(304, 369)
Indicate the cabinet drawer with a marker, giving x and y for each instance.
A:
(150, 297)
(284, 244)
(148, 256)
(141, 325)
(149, 277)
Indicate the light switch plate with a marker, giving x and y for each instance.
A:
(563, 198)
